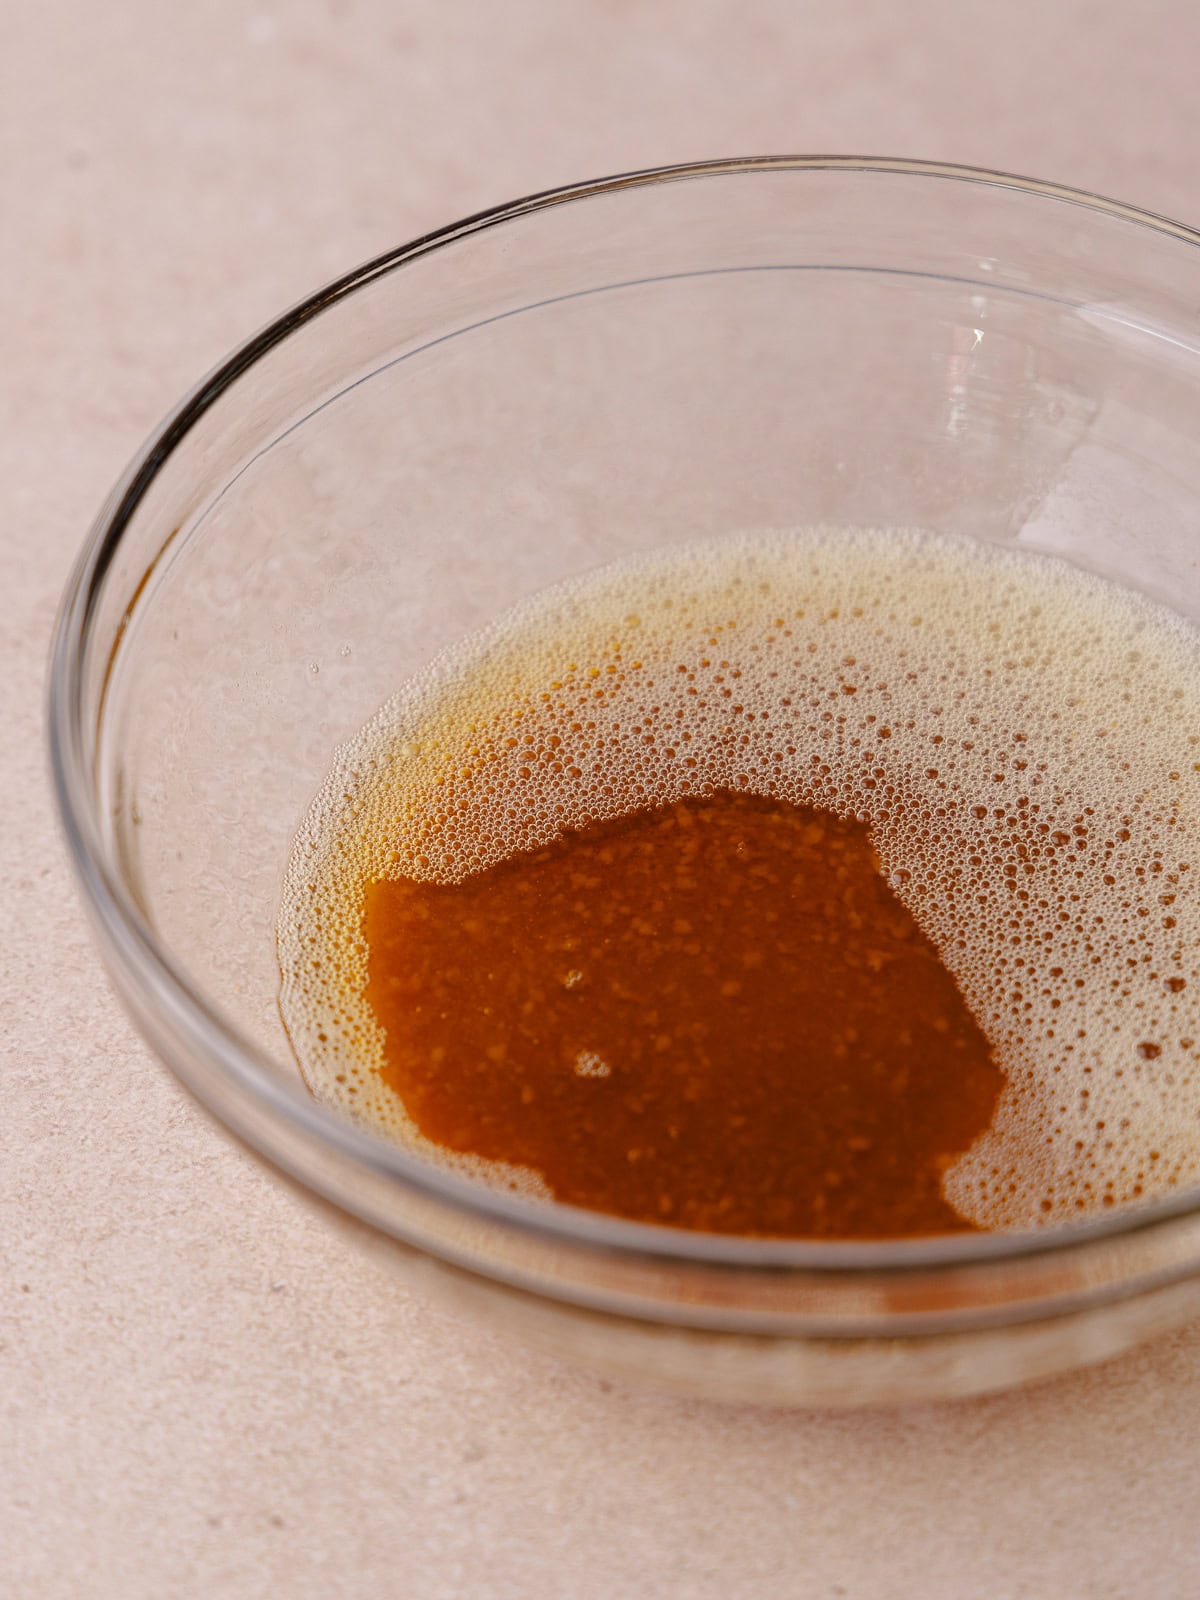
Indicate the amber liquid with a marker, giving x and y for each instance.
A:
(586, 910)
(714, 1014)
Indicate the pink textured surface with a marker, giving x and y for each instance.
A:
(202, 1393)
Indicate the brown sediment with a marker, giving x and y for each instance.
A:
(714, 1014)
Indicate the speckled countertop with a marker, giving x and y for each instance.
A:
(202, 1393)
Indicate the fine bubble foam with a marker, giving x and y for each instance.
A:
(1023, 739)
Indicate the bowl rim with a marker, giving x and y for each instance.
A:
(136, 958)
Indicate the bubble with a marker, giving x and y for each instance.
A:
(1019, 735)
(589, 1065)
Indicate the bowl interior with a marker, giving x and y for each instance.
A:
(771, 346)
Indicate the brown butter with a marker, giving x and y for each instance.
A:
(714, 1014)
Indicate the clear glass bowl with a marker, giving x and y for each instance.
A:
(525, 395)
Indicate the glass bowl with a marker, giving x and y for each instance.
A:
(639, 361)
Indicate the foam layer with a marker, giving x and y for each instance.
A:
(1023, 739)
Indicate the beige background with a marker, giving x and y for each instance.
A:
(200, 1394)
